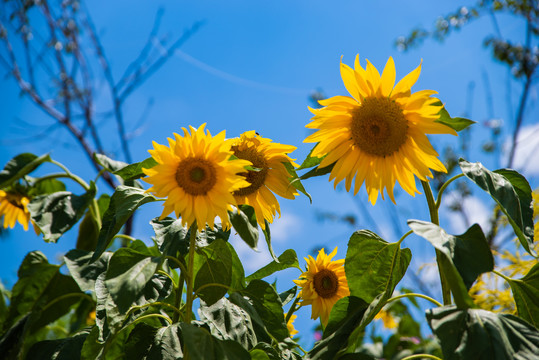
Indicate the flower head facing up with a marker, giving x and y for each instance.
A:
(13, 208)
(323, 284)
(269, 175)
(377, 136)
(197, 177)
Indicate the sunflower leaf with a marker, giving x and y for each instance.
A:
(134, 171)
(286, 260)
(483, 335)
(244, 221)
(310, 161)
(59, 349)
(526, 294)
(511, 192)
(123, 204)
(457, 123)
(295, 181)
(317, 171)
(267, 236)
(19, 166)
(464, 258)
(108, 163)
(374, 266)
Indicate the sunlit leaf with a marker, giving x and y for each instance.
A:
(134, 171)
(456, 123)
(295, 180)
(287, 260)
(20, 165)
(511, 192)
(244, 222)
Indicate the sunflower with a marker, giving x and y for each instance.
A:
(269, 176)
(290, 325)
(13, 207)
(378, 134)
(388, 320)
(197, 177)
(323, 284)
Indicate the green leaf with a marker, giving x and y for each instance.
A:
(123, 204)
(267, 236)
(140, 341)
(88, 229)
(310, 161)
(457, 123)
(268, 307)
(374, 266)
(317, 171)
(288, 295)
(295, 180)
(243, 219)
(47, 186)
(84, 271)
(464, 258)
(127, 275)
(108, 163)
(19, 166)
(166, 344)
(526, 295)
(12, 338)
(237, 281)
(482, 335)
(212, 265)
(60, 349)
(287, 260)
(134, 171)
(228, 321)
(201, 345)
(511, 192)
(345, 316)
(171, 236)
(56, 213)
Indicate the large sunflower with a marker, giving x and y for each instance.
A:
(378, 134)
(269, 174)
(323, 284)
(13, 208)
(196, 176)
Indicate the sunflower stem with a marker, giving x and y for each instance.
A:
(442, 189)
(179, 294)
(414, 295)
(189, 276)
(292, 310)
(421, 356)
(446, 291)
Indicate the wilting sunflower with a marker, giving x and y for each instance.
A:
(290, 325)
(13, 208)
(378, 134)
(196, 176)
(269, 175)
(323, 284)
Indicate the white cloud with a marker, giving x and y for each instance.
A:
(252, 260)
(285, 227)
(526, 159)
(474, 211)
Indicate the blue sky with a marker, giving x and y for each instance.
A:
(253, 65)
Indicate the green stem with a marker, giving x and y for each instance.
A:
(415, 295)
(210, 285)
(421, 356)
(163, 272)
(66, 296)
(446, 291)
(157, 303)
(405, 236)
(292, 310)
(179, 263)
(124, 236)
(502, 275)
(442, 189)
(189, 277)
(179, 291)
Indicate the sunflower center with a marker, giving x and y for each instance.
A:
(326, 283)
(379, 126)
(15, 200)
(255, 178)
(196, 176)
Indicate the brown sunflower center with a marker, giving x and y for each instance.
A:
(15, 200)
(255, 178)
(196, 176)
(379, 126)
(326, 283)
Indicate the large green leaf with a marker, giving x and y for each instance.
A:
(482, 335)
(212, 265)
(244, 221)
(56, 213)
(456, 123)
(374, 266)
(19, 166)
(47, 186)
(526, 294)
(268, 306)
(228, 321)
(171, 236)
(123, 204)
(84, 271)
(201, 345)
(108, 163)
(88, 228)
(511, 192)
(344, 318)
(287, 260)
(464, 258)
(59, 349)
(134, 171)
(140, 341)
(166, 344)
(127, 275)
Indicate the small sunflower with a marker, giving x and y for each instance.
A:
(378, 134)
(270, 176)
(290, 325)
(13, 208)
(388, 320)
(196, 176)
(323, 284)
